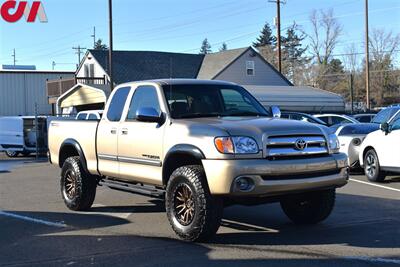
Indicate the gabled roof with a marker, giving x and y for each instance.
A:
(214, 63)
(147, 65)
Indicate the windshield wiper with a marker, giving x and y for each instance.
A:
(198, 115)
(247, 113)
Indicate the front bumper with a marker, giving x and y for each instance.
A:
(277, 177)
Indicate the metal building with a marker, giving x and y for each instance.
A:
(20, 90)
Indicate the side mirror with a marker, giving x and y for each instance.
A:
(385, 127)
(276, 112)
(147, 114)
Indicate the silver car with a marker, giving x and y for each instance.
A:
(350, 137)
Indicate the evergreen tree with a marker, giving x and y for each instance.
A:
(266, 37)
(224, 47)
(99, 45)
(293, 53)
(205, 47)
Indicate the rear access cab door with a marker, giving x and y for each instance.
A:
(12, 133)
(107, 133)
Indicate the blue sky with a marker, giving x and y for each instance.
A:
(174, 25)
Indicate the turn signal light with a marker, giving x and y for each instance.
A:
(224, 145)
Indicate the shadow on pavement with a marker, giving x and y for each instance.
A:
(38, 245)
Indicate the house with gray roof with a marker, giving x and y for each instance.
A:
(244, 66)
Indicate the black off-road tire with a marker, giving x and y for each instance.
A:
(85, 185)
(372, 167)
(12, 154)
(309, 208)
(207, 208)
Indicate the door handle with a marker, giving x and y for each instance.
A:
(113, 130)
(124, 131)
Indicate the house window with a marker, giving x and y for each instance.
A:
(89, 70)
(250, 68)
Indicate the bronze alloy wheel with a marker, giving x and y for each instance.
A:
(371, 165)
(184, 204)
(70, 184)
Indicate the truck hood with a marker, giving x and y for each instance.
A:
(258, 126)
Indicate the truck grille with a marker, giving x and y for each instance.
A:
(296, 146)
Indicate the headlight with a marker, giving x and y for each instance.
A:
(333, 143)
(236, 145)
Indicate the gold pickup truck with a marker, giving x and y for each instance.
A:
(200, 145)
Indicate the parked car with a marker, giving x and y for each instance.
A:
(199, 145)
(351, 137)
(333, 119)
(365, 118)
(386, 114)
(89, 115)
(381, 149)
(299, 116)
(18, 135)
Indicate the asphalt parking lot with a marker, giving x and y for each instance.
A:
(123, 229)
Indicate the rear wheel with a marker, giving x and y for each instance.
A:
(194, 214)
(78, 188)
(372, 167)
(11, 153)
(309, 208)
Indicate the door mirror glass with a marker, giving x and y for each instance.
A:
(385, 127)
(147, 114)
(276, 112)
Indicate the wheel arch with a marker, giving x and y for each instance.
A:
(178, 156)
(69, 148)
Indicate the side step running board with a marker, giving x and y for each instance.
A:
(137, 188)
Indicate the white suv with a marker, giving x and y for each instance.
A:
(381, 149)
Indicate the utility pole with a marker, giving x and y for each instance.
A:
(53, 64)
(94, 37)
(14, 56)
(278, 31)
(367, 56)
(352, 92)
(110, 62)
(79, 52)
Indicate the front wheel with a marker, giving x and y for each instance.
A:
(372, 168)
(309, 208)
(11, 153)
(194, 214)
(78, 188)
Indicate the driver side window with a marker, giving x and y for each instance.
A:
(396, 124)
(144, 96)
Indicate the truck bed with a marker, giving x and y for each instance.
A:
(83, 132)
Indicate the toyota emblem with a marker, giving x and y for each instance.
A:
(300, 144)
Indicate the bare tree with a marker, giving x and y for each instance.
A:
(325, 35)
(351, 59)
(383, 45)
(384, 78)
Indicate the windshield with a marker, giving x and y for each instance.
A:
(359, 129)
(195, 101)
(384, 115)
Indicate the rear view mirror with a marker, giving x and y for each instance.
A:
(385, 127)
(276, 112)
(148, 114)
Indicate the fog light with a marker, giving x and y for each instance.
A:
(357, 141)
(244, 184)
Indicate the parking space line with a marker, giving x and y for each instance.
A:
(375, 260)
(34, 220)
(376, 185)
